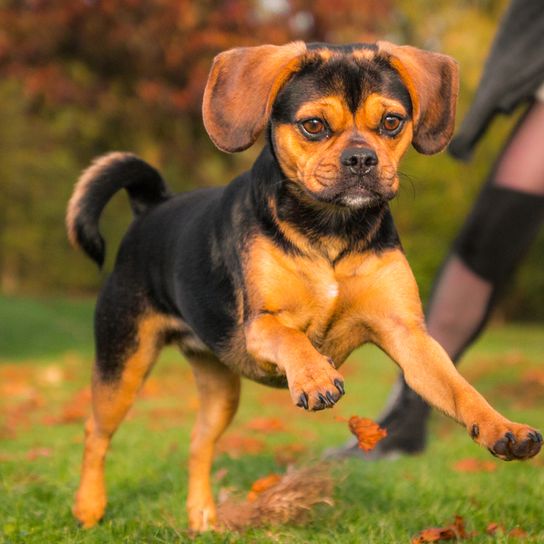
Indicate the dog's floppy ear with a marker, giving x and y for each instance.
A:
(242, 86)
(432, 80)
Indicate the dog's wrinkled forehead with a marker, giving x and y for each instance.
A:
(352, 72)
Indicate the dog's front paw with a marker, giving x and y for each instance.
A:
(509, 441)
(315, 385)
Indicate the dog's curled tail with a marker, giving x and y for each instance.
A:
(95, 187)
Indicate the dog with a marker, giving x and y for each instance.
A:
(281, 274)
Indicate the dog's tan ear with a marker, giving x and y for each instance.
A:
(432, 80)
(242, 86)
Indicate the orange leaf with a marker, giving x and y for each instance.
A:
(288, 453)
(494, 528)
(262, 484)
(474, 465)
(455, 531)
(78, 407)
(518, 532)
(368, 432)
(237, 445)
(33, 454)
(266, 424)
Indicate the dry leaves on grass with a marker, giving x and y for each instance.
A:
(262, 484)
(266, 424)
(455, 531)
(74, 410)
(287, 454)
(36, 453)
(367, 432)
(281, 499)
(20, 415)
(78, 407)
(236, 445)
(496, 529)
(471, 464)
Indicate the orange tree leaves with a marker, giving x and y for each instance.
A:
(66, 51)
(82, 77)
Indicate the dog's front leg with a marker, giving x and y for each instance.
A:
(395, 317)
(313, 381)
(429, 371)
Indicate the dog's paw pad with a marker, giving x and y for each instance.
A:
(525, 445)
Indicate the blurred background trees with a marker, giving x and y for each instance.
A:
(82, 77)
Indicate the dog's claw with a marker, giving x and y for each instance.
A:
(340, 386)
(323, 400)
(535, 437)
(511, 437)
(303, 401)
(330, 398)
(331, 362)
(475, 431)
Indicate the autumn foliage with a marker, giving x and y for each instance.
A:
(86, 52)
(82, 77)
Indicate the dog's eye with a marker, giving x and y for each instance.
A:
(391, 124)
(313, 128)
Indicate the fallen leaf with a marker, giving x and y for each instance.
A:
(262, 484)
(288, 453)
(17, 381)
(368, 432)
(266, 424)
(166, 417)
(496, 529)
(455, 531)
(517, 532)
(33, 454)
(21, 415)
(237, 445)
(78, 407)
(534, 375)
(474, 465)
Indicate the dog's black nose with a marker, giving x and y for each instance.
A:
(360, 160)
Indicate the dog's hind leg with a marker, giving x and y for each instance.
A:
(219, 393)
(126, 351)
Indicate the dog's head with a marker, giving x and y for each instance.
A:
(341, 116)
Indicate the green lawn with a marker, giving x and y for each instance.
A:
(45, 361)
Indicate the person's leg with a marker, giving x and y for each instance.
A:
(502, 224)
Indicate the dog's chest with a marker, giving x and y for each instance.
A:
(309, 294)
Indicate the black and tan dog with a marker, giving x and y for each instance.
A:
(280, 275)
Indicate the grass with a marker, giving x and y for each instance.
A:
(45, 361)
